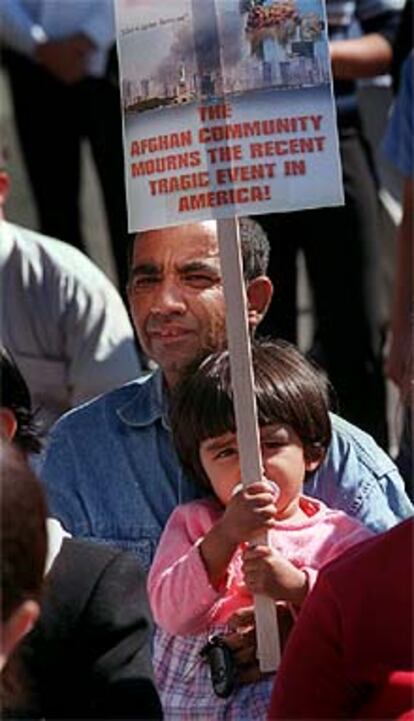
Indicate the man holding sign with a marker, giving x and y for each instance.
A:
(110, 468)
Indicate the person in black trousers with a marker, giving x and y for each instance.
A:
(342, 245)
(65, 89)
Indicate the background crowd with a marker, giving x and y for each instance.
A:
(115, 468)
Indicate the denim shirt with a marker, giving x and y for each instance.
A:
(112, 474)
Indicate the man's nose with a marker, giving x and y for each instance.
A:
(169, 298)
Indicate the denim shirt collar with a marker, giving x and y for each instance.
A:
(149, 403)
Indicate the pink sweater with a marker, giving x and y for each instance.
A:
(181, 596)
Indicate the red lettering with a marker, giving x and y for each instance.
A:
(214, 112)
(232, 196)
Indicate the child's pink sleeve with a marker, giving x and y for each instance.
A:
(180, 593)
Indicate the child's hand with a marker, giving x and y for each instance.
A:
(267, 572)
(241, 639)
(252, 510)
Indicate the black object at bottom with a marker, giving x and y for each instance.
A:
(220, 659)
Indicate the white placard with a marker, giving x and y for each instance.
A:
(225, 113)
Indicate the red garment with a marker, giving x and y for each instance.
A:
(393, 700)
(354, 630)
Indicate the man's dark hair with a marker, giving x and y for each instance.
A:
(254, 246)
(288, 390)
(23, 531)
(14, 395)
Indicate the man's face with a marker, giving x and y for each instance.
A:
(176, 295)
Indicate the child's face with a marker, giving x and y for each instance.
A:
(283, 459)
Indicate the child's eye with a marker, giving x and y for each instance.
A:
(272, 445)
(225, 453)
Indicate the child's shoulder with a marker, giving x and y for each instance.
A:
(337, 523)
(319, 512)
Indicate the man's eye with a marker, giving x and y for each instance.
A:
(199, 280)
(144, 281)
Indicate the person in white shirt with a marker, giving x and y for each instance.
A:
(59, 55)
(62, 319)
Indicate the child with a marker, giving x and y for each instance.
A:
(203, 570)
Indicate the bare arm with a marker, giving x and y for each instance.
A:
(362, 57)
(66, 59)
(399, 362)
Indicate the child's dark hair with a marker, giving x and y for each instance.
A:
(288, 390)
(14, 394)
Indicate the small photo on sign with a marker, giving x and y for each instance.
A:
(204, 49)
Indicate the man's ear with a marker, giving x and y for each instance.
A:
(8, 424)
(259, 295)
(312, 464)
(313, 458)
(18, 625)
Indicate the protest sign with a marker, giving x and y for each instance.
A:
(228, 110)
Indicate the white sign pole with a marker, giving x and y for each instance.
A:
(267, 630)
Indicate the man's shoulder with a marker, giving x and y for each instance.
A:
(81, 552)
(358, 477)
(108, 406)
(83, 562)
(30, 242)
(54, 259)
(350, 443)
(83, 589)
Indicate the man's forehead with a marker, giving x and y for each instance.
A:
(196, 242)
